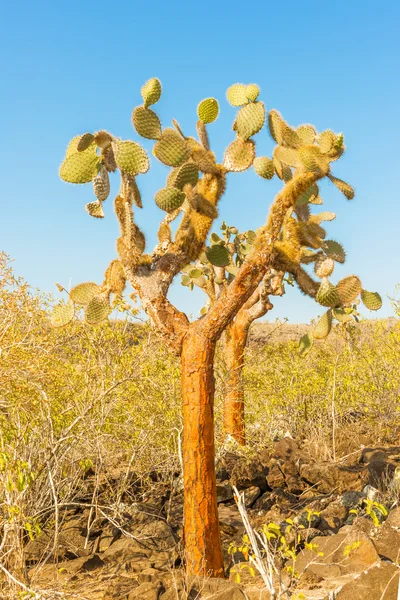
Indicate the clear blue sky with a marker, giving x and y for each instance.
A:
(71, 67)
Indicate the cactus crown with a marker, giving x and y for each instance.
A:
(193, 190)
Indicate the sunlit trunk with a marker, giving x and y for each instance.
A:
(203, 550)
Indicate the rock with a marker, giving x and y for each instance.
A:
(149, 575)
(380, 473)
(119, 588)
(387, 542)
(147, 591)
(352, 499)
(255, 593)
(250, 495)
(394, 518)
(214, 589)
(286, 449)
(249, 473)
(224, 491)
(125, 549)
(265, 502)
(275, 477)
(342, 554)
(328, 477)
(229, 519)
(92, 563)
(333, 517)
(379, 582)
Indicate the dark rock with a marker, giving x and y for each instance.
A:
(328, 477)
(352, 499)
(224, 492)
(250, 495)
(249, 473)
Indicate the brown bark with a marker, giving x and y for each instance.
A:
(234, 345)
(203, 551)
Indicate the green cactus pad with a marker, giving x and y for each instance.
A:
(264, 167)
(208, 110)
(326, 140)
(334, 250)
(62, 315)
(250, 119)
(84, 292)
(130, 157)
(344, 187)
(151, 92)
(349, 288)
(146, 123)
(313, 160)
(95, 209)
(239, 155)
(305, 344)
(171, 149)
(324, 266)
(324, 216)
(80, 167)
(324, 326)
(289, 156)
(195, 273)
(252, 92)
(341, 315)
(237, 94)
(72, 147)
(97, 310)
(114, 277)
(218, 256)
(85, 141)
(187, 173)
(101, 184)
(306, 133)
(371, 300)
(169, 199)
(327, 294)
(281, 132)
(306, 196)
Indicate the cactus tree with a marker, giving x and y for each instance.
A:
(194, 187)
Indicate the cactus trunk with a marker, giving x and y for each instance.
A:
(234, 345)
(203, 551)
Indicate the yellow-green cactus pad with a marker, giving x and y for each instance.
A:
(62, 315)
(250, 119)
(130, 157)
(326, 140)
(72, 147)
(205, 160)
(97, 310)
(101, 184)
(85, 141)
(324, 266)
(151, 92)
(306, 133)
(327, 294)
(171, 149)
(208, 110)
(349, 288)
(281, 132)
(84, 292)
(313, 160)
(95, 209)
(239, 155)
(334, 250)
(288, 156)
(80, 167)
(187, 173)
(324, 326)
(306, 196)
(218, 256)
(305, 344)
(114, 277)
(371, 300)
(252, 92)
(169, 199)
(342, 316)
(264, 167)
(146, 123)
(237, 94)
(344, 187)
(324, 216)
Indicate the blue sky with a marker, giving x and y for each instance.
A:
(73, 67)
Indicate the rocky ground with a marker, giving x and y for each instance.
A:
(339, 521)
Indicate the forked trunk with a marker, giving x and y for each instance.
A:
(203, 550)
(235, 340)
